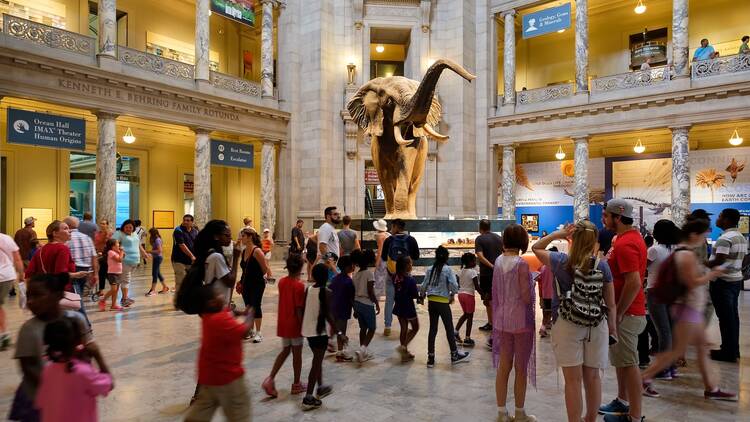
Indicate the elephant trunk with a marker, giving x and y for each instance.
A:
(418, 108)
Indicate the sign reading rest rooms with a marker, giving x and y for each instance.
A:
(45, 130)
(231, 154)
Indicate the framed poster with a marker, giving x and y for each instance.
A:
(744, 225)
(530, 222)
(163, 219)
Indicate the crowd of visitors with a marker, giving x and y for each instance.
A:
(595, 300)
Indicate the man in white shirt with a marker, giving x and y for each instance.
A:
(328, 239)
(11, 269)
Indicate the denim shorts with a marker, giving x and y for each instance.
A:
(365, 315)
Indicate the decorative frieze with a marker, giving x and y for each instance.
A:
(230, 83)
(156, 64)
(629, 80)
(546, 94)
(721, 66)
(48, 36)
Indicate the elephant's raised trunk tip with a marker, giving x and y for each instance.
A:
(419, 106)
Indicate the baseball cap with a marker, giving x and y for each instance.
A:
(28, 221)
(620, 207)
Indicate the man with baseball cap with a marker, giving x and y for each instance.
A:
(24, 237)
(628, 265)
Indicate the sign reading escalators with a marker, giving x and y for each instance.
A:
(45, 130)
(231, 154)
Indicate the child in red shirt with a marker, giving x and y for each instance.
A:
(220, 373)
(291, 305)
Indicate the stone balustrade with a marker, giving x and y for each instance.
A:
(48, 36)
(156, 64)
(721, 66)
(234, 84)
(636, 79)
(546, 94)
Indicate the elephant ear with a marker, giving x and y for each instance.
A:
(356, 107)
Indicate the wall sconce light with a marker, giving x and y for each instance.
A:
(560, 154)
(350, 68)
(128, 137)
(639, 147)
(735, 140)
(640, 8)
(379, 48)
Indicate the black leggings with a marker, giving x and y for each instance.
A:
(102, 273)
(252, 294)
(442, 311)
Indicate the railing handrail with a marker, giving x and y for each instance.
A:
(179, 69)
(235, 84)
(557, 91)
(87, 47)
(720, 66)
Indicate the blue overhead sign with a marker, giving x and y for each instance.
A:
(546, 21)
(45, 130)
(231, 154)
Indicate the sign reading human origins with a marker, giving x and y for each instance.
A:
(45, 130)
(231, 154)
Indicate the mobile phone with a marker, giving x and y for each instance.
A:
(612, 340)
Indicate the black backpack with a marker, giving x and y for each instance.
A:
(189, 298)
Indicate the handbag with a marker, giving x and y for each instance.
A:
(70, 300)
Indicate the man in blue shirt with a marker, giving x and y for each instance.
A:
(704, 52)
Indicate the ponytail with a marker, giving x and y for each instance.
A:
(441, 258)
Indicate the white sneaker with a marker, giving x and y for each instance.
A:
(504, 417)
(358, 355)
(367, 356)
(258, 338)
(524, 418)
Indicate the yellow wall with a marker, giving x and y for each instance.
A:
(551, 58)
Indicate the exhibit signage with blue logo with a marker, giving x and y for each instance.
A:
(231, 154)
(45, 130)
(545, 21)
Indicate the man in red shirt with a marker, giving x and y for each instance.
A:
(628, 265)
(221, 377)
(291, 306)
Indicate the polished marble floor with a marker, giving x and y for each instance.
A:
(152, 351)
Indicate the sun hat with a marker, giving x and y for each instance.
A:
(380, 225)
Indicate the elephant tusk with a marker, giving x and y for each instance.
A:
(399, 138)
(430, 131)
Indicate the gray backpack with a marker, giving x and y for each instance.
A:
(584, 304)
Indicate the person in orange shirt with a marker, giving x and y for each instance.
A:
(266, 245)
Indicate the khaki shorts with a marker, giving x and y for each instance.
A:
(286, 342)
(180, 270)
(625, 352)
(575, 345)
(233, 398)
(5, 287)
(126, 276)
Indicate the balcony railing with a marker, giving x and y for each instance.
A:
(637, 79)
(546, 94)
(48, 35)
(721, 66)
(156, 64)
(234, 84)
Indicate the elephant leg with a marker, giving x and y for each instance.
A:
(417, 174)
(385, 176)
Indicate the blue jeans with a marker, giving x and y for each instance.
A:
(390, 293)
(156, 269)
(78, 284)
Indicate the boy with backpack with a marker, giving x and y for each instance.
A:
(397, 245)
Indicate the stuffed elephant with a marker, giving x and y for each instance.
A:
(399, 114)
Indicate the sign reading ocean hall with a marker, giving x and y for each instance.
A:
(231, 154)
(45, 130)
(546, 21)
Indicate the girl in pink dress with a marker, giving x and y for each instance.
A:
(69, 386)
(513, 339)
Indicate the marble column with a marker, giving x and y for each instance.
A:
(266, 49)
(581, 179)
(106, 167)
(680, 46)
(509, 58)
(202, 177)
(509, 182)
(582, 46)
(268, 185)
(680, 174)
(202, 30)
(492, 65)
(107, 11)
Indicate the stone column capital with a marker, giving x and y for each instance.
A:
(509, 147)
(269, 141)
(580, 138)
(201, 130)
(680, 128)
(511, 12)
(105, 114)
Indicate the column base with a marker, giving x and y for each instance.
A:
(202, 84)
(108, 62)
